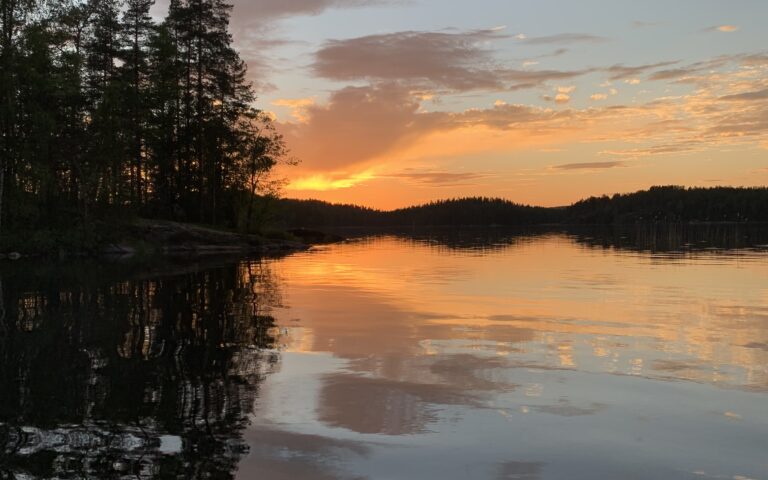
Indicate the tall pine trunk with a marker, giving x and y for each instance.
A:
(2, 191)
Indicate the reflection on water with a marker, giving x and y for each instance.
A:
(131, 378)
(450, 355)
(671, 238)
(524, 355)
(654, 238)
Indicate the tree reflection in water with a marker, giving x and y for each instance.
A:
(654, 238)
(152, 377)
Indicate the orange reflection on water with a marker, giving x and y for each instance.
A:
(549, 301)
(538, 357)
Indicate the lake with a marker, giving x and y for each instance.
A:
(476, 354)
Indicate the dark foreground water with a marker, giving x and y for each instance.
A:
(449, 355)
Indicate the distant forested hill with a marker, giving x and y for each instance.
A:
(658, 204)
(465, 211)
(675, 204)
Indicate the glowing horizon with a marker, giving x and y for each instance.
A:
(390, 103)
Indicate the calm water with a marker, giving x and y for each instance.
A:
(461, 356)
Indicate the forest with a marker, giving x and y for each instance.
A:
(658, 204)
(108, 114)
(674, 204)
(462, 211)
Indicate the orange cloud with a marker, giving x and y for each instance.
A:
(298, 107)
(361, 126)
(380, 134)
(563, 94)
(722, 28)
(355, 126)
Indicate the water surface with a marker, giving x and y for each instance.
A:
(447, 356)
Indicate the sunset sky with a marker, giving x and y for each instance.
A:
(388, 103)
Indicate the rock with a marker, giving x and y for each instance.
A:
(14, 256)
(315, 237)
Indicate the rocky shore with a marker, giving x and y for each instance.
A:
(151, 237)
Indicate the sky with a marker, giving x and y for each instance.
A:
(388, 103)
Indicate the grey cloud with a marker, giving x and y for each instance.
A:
(671, 74)
(756, 345)
(696, 68)
(620, 72)
(441, 179)
(748, 96)
(564, 38)
(589, 166)
(448, 59)
(456, 61)
(680, 147)
(262, 10)
(750, 123)
(556, 53)
(755, 60)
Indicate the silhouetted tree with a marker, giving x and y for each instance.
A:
(102, 111)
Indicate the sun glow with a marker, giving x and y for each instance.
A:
(324, 183)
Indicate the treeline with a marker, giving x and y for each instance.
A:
(473, 211)
(674, 204)
(464, 211)
(106, 113)
(658, 204)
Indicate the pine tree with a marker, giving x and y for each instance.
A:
(137, 30)
(163, 127)
(13, 16)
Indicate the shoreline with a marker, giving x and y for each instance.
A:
(146, 239)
